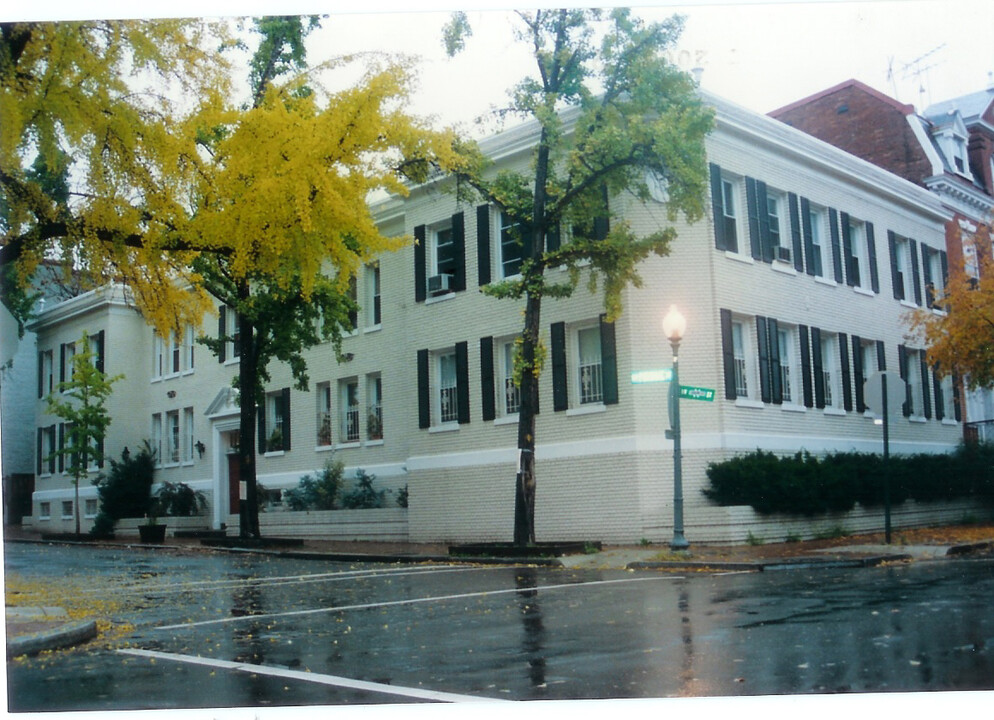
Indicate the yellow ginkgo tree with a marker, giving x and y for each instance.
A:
(125, 157)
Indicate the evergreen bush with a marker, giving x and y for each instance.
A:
(125, 491)
(317, 493)
(802, 484)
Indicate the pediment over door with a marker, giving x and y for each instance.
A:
(224, 404)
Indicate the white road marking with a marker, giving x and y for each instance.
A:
(334, 680)
(412, 601)
(211, 585)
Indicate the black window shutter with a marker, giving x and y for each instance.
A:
(717, 204)
(101, 347)
(817, 367)
(944, 262)
(915, 274)
(487, 384)
(62, 363)
(833, 222)
(752, 203)
(62, 446)
(286, 418)
(847, 253)
(846, 375)
(728, 354)
(895, 277)
(602, 226)
(261, 417)
(902, 367)
(40, 453)
(51, 449)
(483, 244)
(926, 394)
(609, 362)
(420, 269)
(858, 372)
(459, 250)
(560, 388)
(41, 376)
(100, 452)
(763, 343)
(809, 243)
(424, 392)
(222, 320)
(927, 273)
(763, 210)
(957, 411)
(776, 381)
(462, 381)
(871, 250)
(795, 232)
(881, 357)
(940, 410)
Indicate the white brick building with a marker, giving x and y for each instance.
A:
(786, 288)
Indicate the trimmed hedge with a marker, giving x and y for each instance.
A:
(803, 484)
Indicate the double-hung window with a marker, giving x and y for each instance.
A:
(188, 436)
(443, 251)
(830, 372)
(510, 401)
(348, 403)
(589, 375)
(157, 438)
(814, 225)
(447, 398)
(324, 421)
(172, 437)
(730, 213)
(903, 275)
(275, 422)
(790, 374)
(374, 407)
(374, 314)
(776, 210)
(860, 265)
(513, 240)
(740, 355)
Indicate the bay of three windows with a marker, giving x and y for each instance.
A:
(350, 412)
(796, 366)
(774, 226)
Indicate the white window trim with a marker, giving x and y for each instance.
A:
(501, 378)
(751, 362)
(573, 374)
(322, 414)
(437, 387)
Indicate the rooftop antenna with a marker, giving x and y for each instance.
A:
(917, 69)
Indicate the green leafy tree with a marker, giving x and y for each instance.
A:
(613, 116)
(81, 401)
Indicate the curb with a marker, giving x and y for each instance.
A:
(772, 565)
(60, 637)
(970, 547)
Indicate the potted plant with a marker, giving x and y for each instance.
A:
(152, 531)
(275, 442)
(324, 434)
(179, 500)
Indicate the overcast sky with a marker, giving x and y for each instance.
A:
(761, 55)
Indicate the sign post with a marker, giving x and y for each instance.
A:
(884, 393)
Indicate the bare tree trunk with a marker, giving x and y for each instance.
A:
(524, 497)
(248, 515)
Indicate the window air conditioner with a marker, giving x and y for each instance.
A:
(783, 253)
(440, 283)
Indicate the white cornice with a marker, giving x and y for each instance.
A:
(787, 141)
(961, 198)
(105, 297)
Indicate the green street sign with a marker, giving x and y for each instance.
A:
(650, 376)
(688, 392)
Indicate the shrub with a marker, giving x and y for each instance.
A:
(804, 485)
(178, 500)
(363, 496)
(402, 497)
(317, 493)
(125, 491)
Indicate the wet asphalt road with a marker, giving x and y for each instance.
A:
(220, 630)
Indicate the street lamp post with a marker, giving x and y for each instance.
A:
(674, 326)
